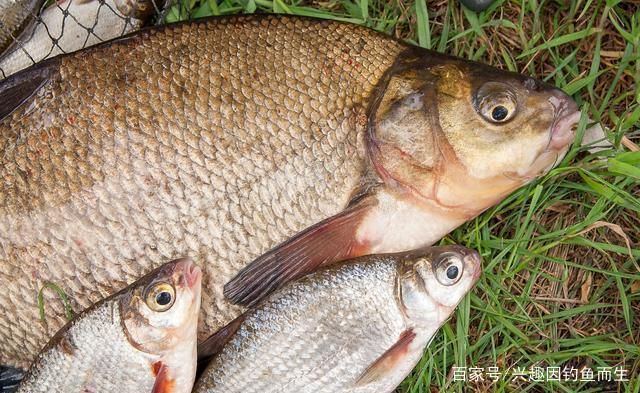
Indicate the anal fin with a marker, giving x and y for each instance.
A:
(388, 361)
(329, 241)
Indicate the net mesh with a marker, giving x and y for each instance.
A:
(44, 30)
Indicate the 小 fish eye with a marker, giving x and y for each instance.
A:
(452, 272)
(164, 298)
(160, 297)
(448, 269)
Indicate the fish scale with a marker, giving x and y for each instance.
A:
(117, 358)
(288, 343)
(87, 216)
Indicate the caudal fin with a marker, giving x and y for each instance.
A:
(10, 378)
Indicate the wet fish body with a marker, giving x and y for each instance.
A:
(142, 339)
(292, 141)
(15, 17)
(360, 327)
(74, 24)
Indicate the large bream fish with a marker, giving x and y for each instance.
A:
(356, 328)
(296, 141)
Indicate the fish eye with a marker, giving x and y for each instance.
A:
(160, 297)
(499, 113)
(495, 102)
(448, 269)
(452, 272)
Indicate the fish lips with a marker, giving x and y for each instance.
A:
(191, 273)
(561, 135)
(567, 115)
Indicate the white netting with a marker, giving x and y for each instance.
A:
(33, 30)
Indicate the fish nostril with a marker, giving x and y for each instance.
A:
(531, 84)
(473, 258)
(562, 103)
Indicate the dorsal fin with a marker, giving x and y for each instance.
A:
(18, 88)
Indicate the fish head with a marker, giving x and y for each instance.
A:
(504, 124)
(463, 135)
(161, 312)
(433, 280)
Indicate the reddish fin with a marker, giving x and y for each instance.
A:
(388, 361)
(329, 241)
(163, 383)
(214, 344)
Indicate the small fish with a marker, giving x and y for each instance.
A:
(291, 142)
(355, 327)
(71, 25)
(15, 17)
(142, 339)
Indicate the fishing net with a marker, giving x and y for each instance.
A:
(40, 29)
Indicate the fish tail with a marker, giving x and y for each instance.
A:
(10, 378)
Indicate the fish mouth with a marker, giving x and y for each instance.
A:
(561, 135)
(567, 116)
(191, 273)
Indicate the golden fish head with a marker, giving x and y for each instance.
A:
(462, 135)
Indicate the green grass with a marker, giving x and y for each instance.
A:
(560, 286)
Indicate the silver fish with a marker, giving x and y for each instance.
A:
(359, 327)
(142, 339)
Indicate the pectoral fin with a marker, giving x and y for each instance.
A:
(18, 88)
(327, 242)
(163, 383)
(214, 344)
(387, 363)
